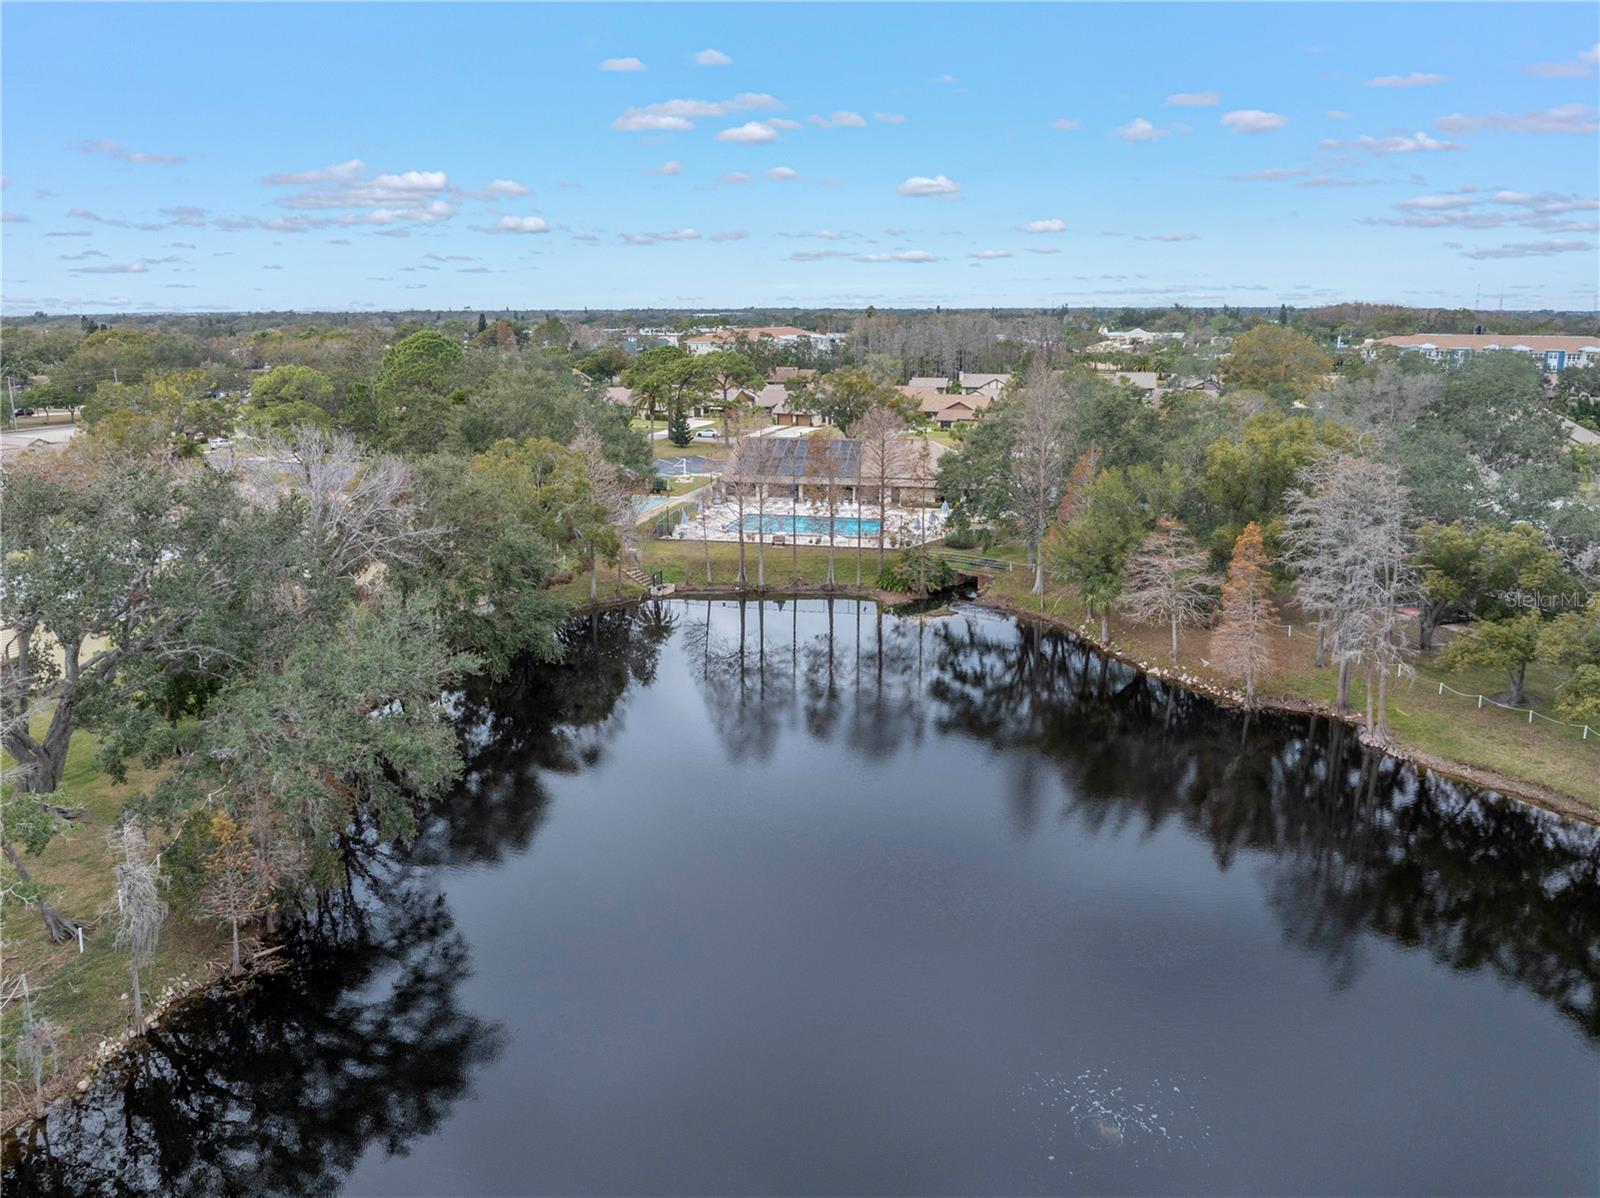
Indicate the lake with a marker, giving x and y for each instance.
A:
(810, 898)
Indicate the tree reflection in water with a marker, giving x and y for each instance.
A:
(361, 1043)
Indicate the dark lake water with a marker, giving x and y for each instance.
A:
(806, 899)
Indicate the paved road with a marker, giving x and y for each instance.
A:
(15, 440)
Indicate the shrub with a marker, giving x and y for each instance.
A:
(918, 572)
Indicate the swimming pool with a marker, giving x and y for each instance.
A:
(808, 526)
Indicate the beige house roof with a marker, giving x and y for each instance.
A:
(992, 383)
(783, 373)
(620, 395)
(929, 383)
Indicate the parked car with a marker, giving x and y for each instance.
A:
(23, 411)
(220, 443)
(708, 434)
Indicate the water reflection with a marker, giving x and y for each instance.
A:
(362, 1044)
(280, 1087)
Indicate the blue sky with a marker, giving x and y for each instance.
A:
(192, 157)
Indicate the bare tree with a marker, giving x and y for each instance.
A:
(1347, 532)
(736, 480)
(359, 510)
(1166, 580)
(1242, 644)
(1039, 460)
(140, 909)
(823, 463)
(923, 477)
(37, 1039)
(761, 456)
(878, 435)
(612, 507)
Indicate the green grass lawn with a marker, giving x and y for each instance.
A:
(1419, 716)
(83, 993)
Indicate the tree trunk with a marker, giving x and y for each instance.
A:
(1174, 638)
(1383, 704)
(883, 519)
(59, 927)
(1105, 625)
(138, 999)
(43, 761)
(1369, 689)
(744, 577)
(1038, 574)
(1322, 646)
(830, 546)
(1517, 678)
(236, 966)
(594, 579)
(1342, 702)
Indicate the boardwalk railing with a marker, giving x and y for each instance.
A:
(975, 563)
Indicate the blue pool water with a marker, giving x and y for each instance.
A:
(809, 526)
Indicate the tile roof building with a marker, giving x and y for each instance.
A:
(1554, 353)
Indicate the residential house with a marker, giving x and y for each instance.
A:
(929, 383)
(945, 409)
(991, 385)
(728, 338)
(1554, 354)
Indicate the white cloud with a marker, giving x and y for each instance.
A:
(1437, 203)
(1167, 237)
(1066, 122)
(988, 255)
(671, 167)
(1587, 62)
(14, 218)
(889, 118)
(898, 256)
(922, 185)
(1043, 249)
(1531, 249)
(115, 149)
(517, 224)
(130, 268)
(734, 178)
(409, 197)
(1194, 100)
(781, 174)
(1414, 79)
(639, 121)
(712, 58)
(342, 172)
(945, 79)
(506, 188)
(816, 255)
(1568, 118)
(1253, 120)
(1271, 174)
(730, 235)
(1419, 143)
(1052, 225)
(1139, 129)
(655, 238)
(749, 133)
(1337, 114)
(675, 116)
(622, 64)
(840, 119)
